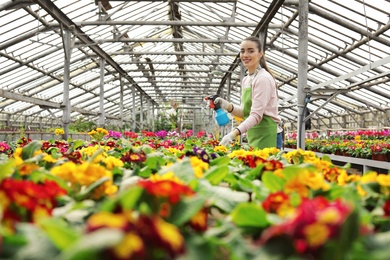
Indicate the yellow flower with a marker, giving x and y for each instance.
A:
(199, 166)
(314, 180)
(27, 168)
(111, 162)
(316, 234)
(49, 158)
(295, 185)
(383, 180)
(130, 245)
(237, 153)
(220, 148)
(108, 219)
(59, 131)
(102, 131)
(170, 234)
(167, 176)
(18, 152)
(329, 216)
(173, 150)
(98, 134)
(65, 171)
(91, 150)
(369, 177)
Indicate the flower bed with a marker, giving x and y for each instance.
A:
(178, 196)
(373, 145)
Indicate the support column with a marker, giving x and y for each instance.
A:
(8, 122)
(302, 70)
(153, 117)
(193, 121)
(141, 107)
(121, 103)
(148, 114)
(101, 94)
(133, 110)
(66, 101)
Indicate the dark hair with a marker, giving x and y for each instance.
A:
(263, 62)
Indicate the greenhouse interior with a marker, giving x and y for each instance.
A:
(111, 146)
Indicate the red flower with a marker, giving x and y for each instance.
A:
(315, 222)
(27, 199)
(386, 208)
(166, 188)
(273, 202)
(134, 157)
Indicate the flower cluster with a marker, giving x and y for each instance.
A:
(313, 223)
(80, 176)
(5, 148)
(24, 200)
(131, 135)
(144, 237)
(59, 131)
(98, 134)
(114, 134)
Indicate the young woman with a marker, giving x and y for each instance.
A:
(259, 99)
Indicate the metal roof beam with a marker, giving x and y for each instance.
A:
(174, 40)
(264, 22)
(57, 14)
(166, 23)
(173, 53)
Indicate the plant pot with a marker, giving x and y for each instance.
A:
(388, 157)
(379, 157)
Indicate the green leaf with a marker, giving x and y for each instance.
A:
(145, 172)
(371, 187)
(223, 160)
(183, 170)
(216, 174)
(59, 232)
(91, 244)
(29, 150)
(255, 173)
(198, 247)
(6, 169)
(295, 199)
(272, 182)
(130, 197)
(223, 197)
(84, 193)
(249, 215)
(154, 161)
(245, 185)
(185, 209)
(76, 144)
(41, 176)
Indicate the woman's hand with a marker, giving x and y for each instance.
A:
(229, 138)
(225, 105)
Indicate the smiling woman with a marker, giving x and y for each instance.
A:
(259, 98)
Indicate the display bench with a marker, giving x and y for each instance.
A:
(9, 136)
(363, 165)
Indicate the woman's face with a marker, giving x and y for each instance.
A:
(250, 55)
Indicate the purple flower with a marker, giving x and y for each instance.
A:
(161, 134)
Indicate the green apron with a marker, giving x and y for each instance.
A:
(262, 135)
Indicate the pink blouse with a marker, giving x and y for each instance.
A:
(264, 100)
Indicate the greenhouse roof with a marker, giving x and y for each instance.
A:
(183, 51)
